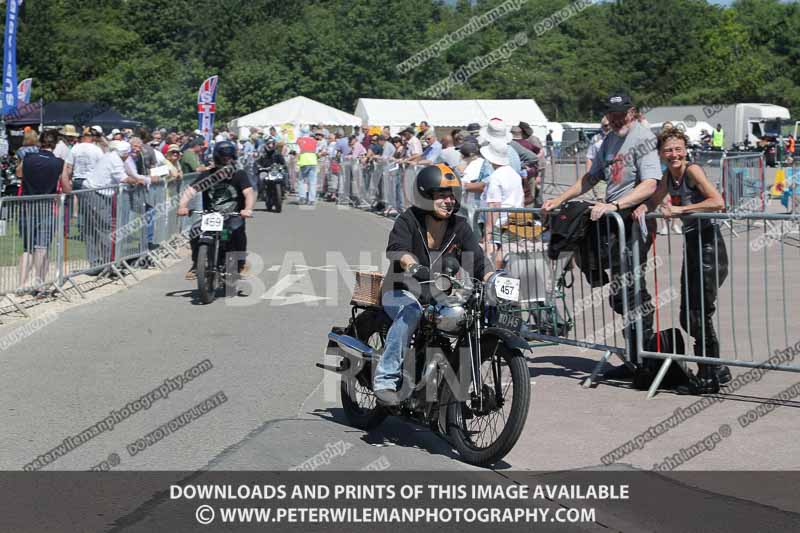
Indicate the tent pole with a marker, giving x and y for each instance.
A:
(41, 115)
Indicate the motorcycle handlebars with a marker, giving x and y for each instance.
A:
(206, 211)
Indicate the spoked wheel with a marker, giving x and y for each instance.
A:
(358, 401)
(485, 427)
(231, 276)
(278, 198)
(206, 274)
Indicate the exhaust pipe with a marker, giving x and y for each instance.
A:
(354, 352)
(352, 347)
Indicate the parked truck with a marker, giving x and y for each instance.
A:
(745, 125)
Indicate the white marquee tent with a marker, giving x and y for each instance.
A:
(448, 113)
(299, 111)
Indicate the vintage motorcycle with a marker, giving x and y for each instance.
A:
(272, 179)
(465, 376)
(215, 267)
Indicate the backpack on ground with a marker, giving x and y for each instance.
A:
(667, 341)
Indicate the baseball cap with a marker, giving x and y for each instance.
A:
(173, 148)
(470, 148)
(618, 102)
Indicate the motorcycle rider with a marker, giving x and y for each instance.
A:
(271, 156)
(233, 191)
(420, 240)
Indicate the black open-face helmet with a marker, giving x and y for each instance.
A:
(223, 151)
(435, 178)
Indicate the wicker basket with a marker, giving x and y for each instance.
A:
(367, 290)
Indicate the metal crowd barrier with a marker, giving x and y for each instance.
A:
(130, 230)
(48, 240)
(558, 303)
(157, 196)
(377, 182)
(358, 194)
(393, 188)
(787, 197)
(29, 242)
(793, 184)
(171, 222)
(344, 192)
(293, 171)
(88, 242)
(744, 301)
(331, 169)
(560, 174)
(743, 183)
(711, 162)
(409, 179)
(323, 171)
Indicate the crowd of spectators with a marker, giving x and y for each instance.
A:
(65, 160)
(498, 165)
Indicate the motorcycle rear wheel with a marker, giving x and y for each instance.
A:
(359, 403)
(206, 274)
(468, 434)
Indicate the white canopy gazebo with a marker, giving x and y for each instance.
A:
(298, 111)
(448, 113)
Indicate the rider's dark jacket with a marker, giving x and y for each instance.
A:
(408, 236)
(268, 158)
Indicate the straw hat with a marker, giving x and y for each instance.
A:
(69, 131)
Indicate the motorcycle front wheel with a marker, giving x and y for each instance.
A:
(485, 427)
(278, 198)
(206, 273)
(359, 403)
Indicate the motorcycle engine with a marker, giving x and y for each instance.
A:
(450, 315)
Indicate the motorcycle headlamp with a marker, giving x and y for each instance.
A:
(490, 297)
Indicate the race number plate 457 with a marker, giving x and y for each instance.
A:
(212, 222)
(507, 288)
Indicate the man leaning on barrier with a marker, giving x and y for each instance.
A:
(627, 160)
(96, 225)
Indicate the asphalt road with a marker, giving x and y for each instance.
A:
(275, 410)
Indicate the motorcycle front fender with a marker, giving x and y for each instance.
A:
(508, 338)
(207, 238)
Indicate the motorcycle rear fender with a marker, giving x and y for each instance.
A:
(506, 337)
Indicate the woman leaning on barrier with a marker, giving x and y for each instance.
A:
(705, 264)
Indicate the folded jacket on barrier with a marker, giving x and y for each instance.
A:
(571, 230)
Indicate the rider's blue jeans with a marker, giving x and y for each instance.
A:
(405, 312)
(307, 181)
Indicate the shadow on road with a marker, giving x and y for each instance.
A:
(395, 431)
